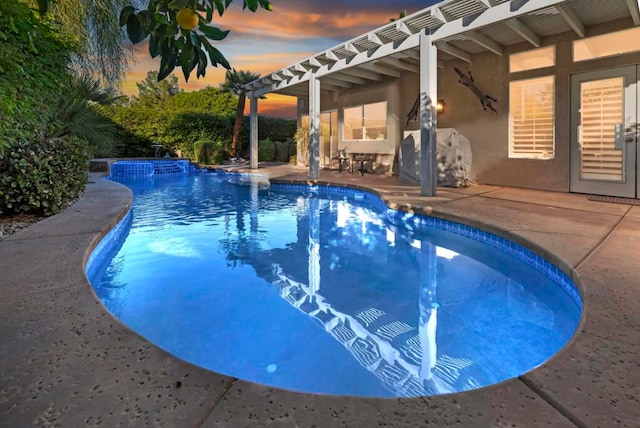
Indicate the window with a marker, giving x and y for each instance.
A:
(530, 60)
(617, 43)
(531, 116)
(366, 122)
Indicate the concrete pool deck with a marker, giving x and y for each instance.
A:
(64, 361)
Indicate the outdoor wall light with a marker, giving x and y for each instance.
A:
(440, 106)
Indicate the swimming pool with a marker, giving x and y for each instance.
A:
(325, 290)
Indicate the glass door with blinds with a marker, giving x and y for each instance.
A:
(604, 124)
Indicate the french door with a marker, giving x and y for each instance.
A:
(328, 137)
(605, 128)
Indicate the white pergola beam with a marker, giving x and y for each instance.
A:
(454, 51)
(348, 78)
(277, 86)
(412, 53)
(253, 131)
(365, 59)
(365, 74)
(374, 38)
(350, 47)
(437, 14)
(314, 128)
(314, 62)
(296, 91)
(634, 9)
(378, 68)
(330, 87)
(300, 68)
(571, 18)
(335, 82)
(400, 64)
(402, 27)
(485, 42)
(287, 73)
(485, 3)
(331, 56)
(490, 16)
(523, 31)
(428, 116)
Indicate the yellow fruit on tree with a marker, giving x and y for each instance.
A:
(187, 19)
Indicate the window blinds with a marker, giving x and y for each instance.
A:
(531, 118)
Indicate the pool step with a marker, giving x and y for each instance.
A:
(162, 168)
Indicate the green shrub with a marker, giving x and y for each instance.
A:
(42, 176)
(272, 128)
(283, 151)
(185, 128)
(266, 150)
(209, 152)
(33, 71)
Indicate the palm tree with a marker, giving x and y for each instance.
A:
(78, 114)
(233, 82)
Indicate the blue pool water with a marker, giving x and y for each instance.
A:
(326, 290)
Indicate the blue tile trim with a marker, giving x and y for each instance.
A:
(420, 221)
(149, 168)
(112, 239)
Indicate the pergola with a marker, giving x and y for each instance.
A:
(450, 29)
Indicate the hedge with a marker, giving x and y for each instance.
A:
(209, 152)
(33, 71)
(42, 176)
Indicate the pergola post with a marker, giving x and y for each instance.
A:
(253, 127)
(428, 116)
(314, 127)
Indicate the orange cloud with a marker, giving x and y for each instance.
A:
(264, 42)
(300, 25)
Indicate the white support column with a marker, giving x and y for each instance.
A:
(428, 118)
(253, 132)
(314, 127)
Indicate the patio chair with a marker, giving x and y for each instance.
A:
(342, 159)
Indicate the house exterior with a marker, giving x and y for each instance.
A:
(565, 75)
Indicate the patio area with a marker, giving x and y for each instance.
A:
(65, 361)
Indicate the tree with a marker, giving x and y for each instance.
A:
(152, 91)
(101, 47)
(180, 33)
(207, 100)
(233, 83)
(78, 115)
(33, 72)
(400, 16)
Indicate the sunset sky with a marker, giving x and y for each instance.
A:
(264, 42)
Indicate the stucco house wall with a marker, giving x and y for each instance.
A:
(487, 131)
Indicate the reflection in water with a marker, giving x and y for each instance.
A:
(314, 246)
(212, 271)
(428, 320)
(378, 350)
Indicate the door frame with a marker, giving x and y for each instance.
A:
(333, 143)
(628, 187)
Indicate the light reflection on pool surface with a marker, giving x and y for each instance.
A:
(322, 293)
